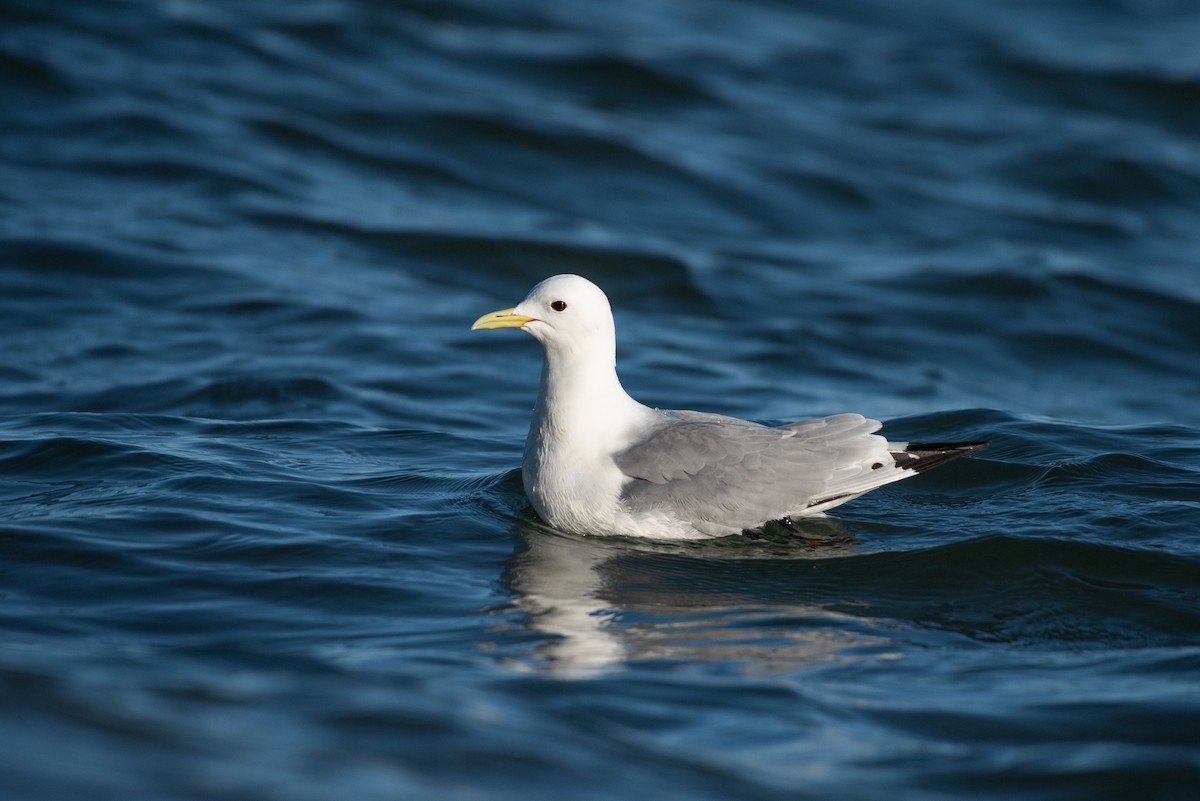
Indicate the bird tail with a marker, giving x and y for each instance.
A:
(922, 456)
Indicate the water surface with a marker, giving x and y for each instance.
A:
(262, 532)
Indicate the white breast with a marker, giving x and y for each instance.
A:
(570, 488)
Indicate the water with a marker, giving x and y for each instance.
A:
(263, 531)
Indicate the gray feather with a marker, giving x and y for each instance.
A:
(736, 473)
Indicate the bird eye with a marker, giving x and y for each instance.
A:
(559, 305)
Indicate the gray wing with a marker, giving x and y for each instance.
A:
(736, 473)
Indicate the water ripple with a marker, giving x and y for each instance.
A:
(262, 524)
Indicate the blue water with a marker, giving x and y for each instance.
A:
(263, 534)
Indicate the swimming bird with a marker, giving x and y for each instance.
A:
(598, 462)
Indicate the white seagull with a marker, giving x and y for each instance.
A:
(598, 462)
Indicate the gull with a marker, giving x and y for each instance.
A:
(598, 462)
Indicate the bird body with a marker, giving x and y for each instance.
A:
(598, 462)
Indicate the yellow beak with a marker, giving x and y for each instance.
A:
(505, 318)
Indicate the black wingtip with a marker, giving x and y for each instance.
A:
(922, 456)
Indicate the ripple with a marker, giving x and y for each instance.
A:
(261, 488)
(1032, 593)
(607, 80)
(1127, 92)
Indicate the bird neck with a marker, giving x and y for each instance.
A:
(579, 392)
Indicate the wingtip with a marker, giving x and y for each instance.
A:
(941, 447)
(922, 456)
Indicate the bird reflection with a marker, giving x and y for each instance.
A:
(600, 602)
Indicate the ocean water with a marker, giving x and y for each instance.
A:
(262, 531)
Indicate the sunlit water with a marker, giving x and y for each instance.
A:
(263, 534)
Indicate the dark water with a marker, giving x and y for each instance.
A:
(263, 534)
